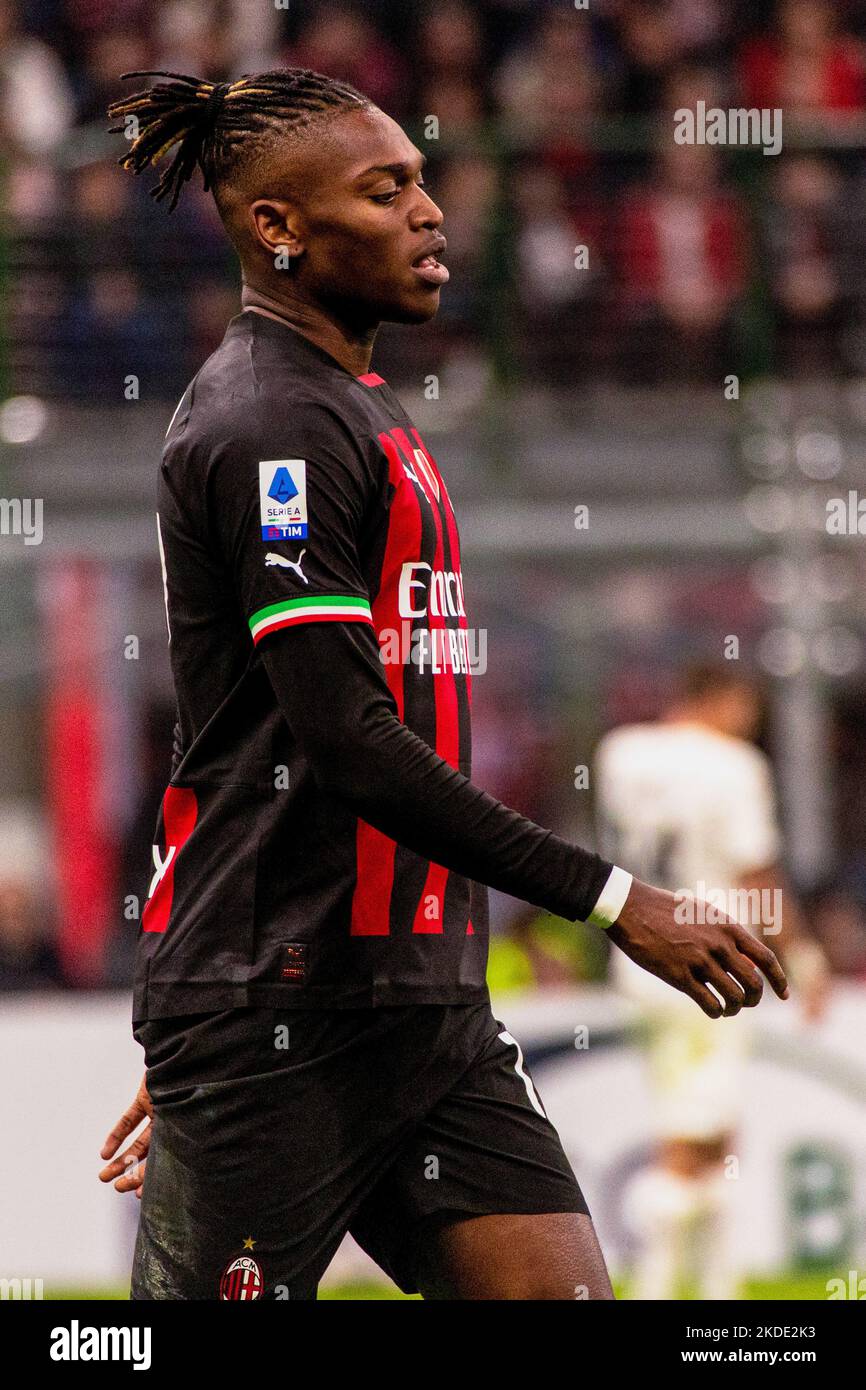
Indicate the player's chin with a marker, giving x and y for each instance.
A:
(416, 308)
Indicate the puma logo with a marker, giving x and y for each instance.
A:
(273, 559)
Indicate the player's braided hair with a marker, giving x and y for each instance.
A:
(212, 122)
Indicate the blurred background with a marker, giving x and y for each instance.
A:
(672, 337)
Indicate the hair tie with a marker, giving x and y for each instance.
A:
(215, 101)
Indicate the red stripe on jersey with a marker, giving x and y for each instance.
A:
(375, 851)
(179, 815)
(371, 379)
(454, 544)
(447, 731)
(453, 537)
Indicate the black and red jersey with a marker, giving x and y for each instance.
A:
(317, 618)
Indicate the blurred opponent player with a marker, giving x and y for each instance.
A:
(310, 978)
(689, 803)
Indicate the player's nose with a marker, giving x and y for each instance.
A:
(426, 213)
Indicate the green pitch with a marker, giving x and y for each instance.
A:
(796, 1287)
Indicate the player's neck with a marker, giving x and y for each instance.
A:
(352, 350)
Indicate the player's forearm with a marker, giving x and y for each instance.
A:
(398, 783)
(344, 720)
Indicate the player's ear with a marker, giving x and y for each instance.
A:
(276, 227)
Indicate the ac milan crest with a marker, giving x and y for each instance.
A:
(242, 1280)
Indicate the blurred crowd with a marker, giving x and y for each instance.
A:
(555, 133)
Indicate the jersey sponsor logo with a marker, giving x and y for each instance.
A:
(443, 591)
(273, 559)
(241, 1281)
(283, 499)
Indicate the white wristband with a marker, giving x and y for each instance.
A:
(611, 899)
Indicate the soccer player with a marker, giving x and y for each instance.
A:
(689, 800)
(310, 990)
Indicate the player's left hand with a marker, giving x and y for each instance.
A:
(692, 957)
(126, 1170)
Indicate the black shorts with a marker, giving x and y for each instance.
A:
(278, 1130)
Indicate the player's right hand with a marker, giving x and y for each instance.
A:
(126, 1171)
(692, 956)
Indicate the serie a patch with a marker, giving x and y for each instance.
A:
(283, 499)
